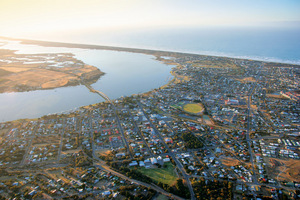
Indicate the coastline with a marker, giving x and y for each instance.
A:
(135, 50)
(162, 56)
(26, 72)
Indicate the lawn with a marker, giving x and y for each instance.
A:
(193, 108)
(164, 175)
(162, 197)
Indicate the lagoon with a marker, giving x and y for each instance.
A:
(125, 74)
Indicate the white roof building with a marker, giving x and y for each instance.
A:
(142, 164)
(153, 161)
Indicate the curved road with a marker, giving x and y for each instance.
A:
(101, 164)
(179, 165)
(104, 167)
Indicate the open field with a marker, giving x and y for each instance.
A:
(177, 79)
(207, 120)
(71, 151)
(22, 72)
(161, 197)
(56, 174)
(229, 162)
(103, 152)
(4, 131)
(285, 170)
(279, 96)
(247, 79)
(164, 175)
(224, 63)
(194, 108)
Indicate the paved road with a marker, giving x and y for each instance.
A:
(27, 150)
(179, 165)
(122, 131)
(248, 135)
(104, 96)
(61, 140)
(248, 131)
(140, 134)
(101, 165)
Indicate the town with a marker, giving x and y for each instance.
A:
(223, 128)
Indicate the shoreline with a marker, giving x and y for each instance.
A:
(30, 72)
(157, 54)
(133, 50)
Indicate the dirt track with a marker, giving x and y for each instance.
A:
(290, 169)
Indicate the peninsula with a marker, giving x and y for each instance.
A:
(222, 128)
(26, 72)
(21, 72)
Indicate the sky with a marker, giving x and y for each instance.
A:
(31, 18)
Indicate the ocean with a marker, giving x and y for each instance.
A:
(257, 43)
(131, 73)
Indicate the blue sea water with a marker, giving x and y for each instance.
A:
(259, 43)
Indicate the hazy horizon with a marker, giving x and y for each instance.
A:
(264, 30)
(35, 19)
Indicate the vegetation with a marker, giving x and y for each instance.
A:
(191, 141)
(205, 189)
(194, 108)
(162, 197)
(222, 63)
(181, 189)
(132, 193)
(19, 76)
(165, 174)
(83, 160)
(4, 72)
(134, 174)
(178, 188)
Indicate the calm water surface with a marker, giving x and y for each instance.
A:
(126, 74)
(266, 43)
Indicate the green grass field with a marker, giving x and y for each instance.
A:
(162, 197)
(164, 175)
(193, 108)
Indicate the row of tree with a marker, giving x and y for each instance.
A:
(135, 174)
(206, 189)
(82, 160)
(132, 193)
(191, 141)
(178, 188)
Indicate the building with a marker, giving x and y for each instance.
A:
(153, 161)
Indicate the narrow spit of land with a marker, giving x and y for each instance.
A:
(157, 53)
(228, 149)
(21, 72)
